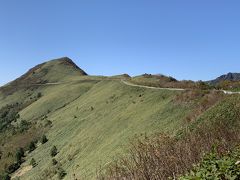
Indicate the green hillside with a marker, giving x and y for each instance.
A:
(98, 121)
(208, 148)
(90, 119)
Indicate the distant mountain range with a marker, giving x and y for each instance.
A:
(226, 77)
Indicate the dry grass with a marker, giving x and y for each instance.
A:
(168, 82)
(201, 100)
(21, 172)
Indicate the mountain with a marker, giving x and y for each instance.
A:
(92, 120)
(226, 77)
(52, 71)
(57, 70)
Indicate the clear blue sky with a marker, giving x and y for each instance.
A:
(187, 39)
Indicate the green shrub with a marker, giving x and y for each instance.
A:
(54, 162)
(61, 173)
(8, 114)
(39, 95)
(44, 139)
(214, 166)
(47, 123)
(31, 146)
(24, 125)
(19, 155)
(54, 151)
(5, 176)
(12, 168)
(33, 162)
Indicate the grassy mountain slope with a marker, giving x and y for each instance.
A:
(168, 157)
(93, 127)
(90, 119)
(54, 71)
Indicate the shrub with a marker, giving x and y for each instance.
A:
(39, 95)
(24, 125)
(17, 116)
(44, 139)
(33, 162)
(5, 176)
(31, 146)
(54, 151)
(12, 168)
(214, 166)
(8, 114)
(61, 173)
(47, 123)
(19, 155)
(54, 162)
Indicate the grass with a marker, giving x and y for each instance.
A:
(98, 121)
(93, 118)
(164, 156)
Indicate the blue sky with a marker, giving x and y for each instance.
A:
(187, 39)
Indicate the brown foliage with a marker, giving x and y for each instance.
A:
(200, 100)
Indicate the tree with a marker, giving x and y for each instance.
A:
(54, 151)
(33, 162)
(31, 146)
(44, 139)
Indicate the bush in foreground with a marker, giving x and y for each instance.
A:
(214, 166)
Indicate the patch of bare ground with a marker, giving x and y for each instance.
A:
(21, 172)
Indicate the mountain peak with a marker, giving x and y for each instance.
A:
(66, 61)
(62, 59)
(227, 77)
(56, 70)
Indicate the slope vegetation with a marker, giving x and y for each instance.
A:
(95, 126)
(88, 120)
